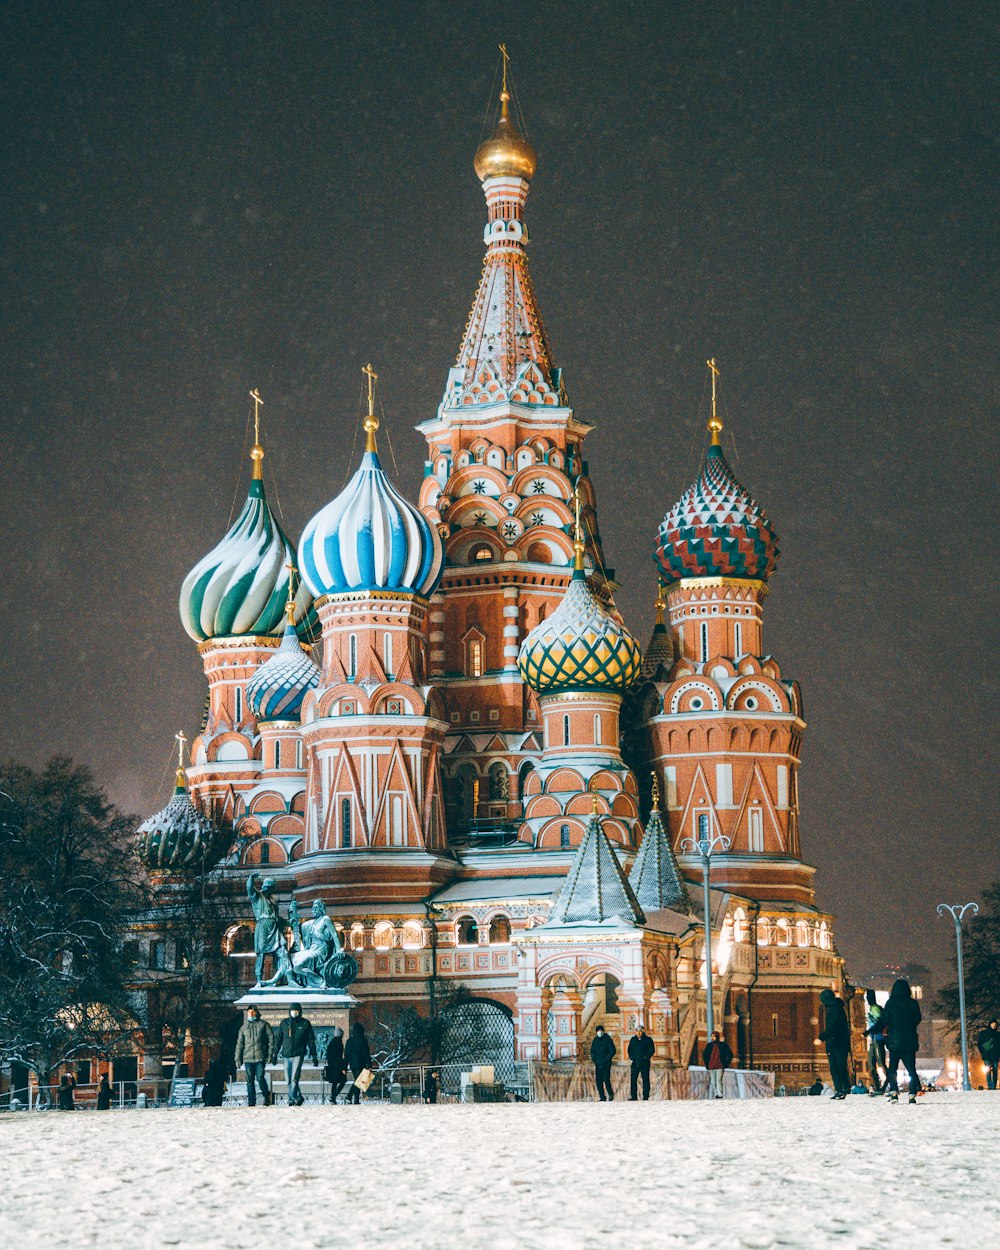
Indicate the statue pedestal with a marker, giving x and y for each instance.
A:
(322, 1008)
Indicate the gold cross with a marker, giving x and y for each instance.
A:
(290, 604)
(714, 425)
(181, 739)
(372, 377)
(258, 403)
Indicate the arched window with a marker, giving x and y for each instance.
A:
(387, 654)
(704, 640)
(345, 822)
(564, 837)
(265, 852)
(277, 754)
(239, 708)
(475, 655)
(298, 753)
(499, 929)
(396, 820)
(755, 822)
(413, 935)
(802, 933)
(737, 639)
(566, 731)
(352, 644)
(481, 552)
(762, 933)
(597, 729)
(466, 931)
(740, 933)
(782, 933)
(357, 937)
(383, 935)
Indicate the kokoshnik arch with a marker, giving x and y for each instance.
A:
(446, 732)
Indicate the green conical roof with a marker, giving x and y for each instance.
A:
(596, 890)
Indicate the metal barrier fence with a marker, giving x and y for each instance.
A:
(151, 1093)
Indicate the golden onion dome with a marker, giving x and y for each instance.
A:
(505, 154)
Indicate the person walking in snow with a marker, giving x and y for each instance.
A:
(837, 1036)
(104, 1094)
(254, 1051)
(988, 1042)
(214, 1090)
(293, 1041)
(336, 1069)
(358, 1054)
(875, 1032)
(66, 1087)
(901, 1017)
(430, 1091)
(641, 1049)
(717, 1056)
(602, 1053)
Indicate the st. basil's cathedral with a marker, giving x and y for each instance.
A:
(431, 716)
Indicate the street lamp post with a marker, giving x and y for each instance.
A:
(957, 912)
(706, 846)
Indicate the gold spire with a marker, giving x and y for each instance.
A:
(656, 792)
(371, 421)
(578, 543)
(715, 423)
(256, 451)
(506, 153)
(180, 781)
(290, 604)
(661, 603)
(596, 802)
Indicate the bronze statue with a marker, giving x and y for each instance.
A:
(268, 933)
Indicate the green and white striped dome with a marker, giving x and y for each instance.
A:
(240, 587)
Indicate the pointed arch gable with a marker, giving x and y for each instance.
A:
(345, 780)
(756, 786)
(397, 778)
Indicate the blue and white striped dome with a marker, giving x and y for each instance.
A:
(370, 538)
(241, 586)
(277, 688)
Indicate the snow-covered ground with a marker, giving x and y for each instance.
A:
(806, 1173)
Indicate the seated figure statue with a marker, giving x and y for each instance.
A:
(315, 944)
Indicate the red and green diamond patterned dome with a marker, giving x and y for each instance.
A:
(716, 529)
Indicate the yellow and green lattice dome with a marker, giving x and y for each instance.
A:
(580, 647)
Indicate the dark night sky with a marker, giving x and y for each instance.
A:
(202, 198)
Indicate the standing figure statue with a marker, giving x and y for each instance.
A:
(268, 934)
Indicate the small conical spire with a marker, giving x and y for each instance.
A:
(596, 890)
(715, 421)
(661, 604)
(256, 451)
(371, 421)
(655, 879)
(180, 780)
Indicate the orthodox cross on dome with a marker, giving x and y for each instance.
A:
(256, 452)
(504, 93)
(181, 738)
(714, 424)
(660, 605)
(578, 543)
(371, 421)
(290, 604)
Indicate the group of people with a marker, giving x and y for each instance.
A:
(67, 1088)
(293, 1041)
(717, 1056)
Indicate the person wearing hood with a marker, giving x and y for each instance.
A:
(717, 1056)
(602, 1053)
(294, 1040)
(254, 1051)
(213, 1091)
(875, 1032)
(336, 1069)
(104, 1094)
(358, 1054)
(988, 1042)
(837, 1036)
(901, 1016)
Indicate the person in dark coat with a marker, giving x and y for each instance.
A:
(293, 1041)
(431, 1085)
(901, 1015)
(875, 1032)
(717, 1056)
(816, 1088)
(988, 1042)
(66, 1087)
(641, 1049)
(104, 1094)
(358, 1054)
(602, 1053)
(336, 1069)
(214, 1089)
(254, 1051)
(837, 1036)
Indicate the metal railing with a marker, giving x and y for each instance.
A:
(151, 1093)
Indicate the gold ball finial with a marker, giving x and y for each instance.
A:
(506, 153)
(257, 456)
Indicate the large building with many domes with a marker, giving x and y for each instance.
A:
(430, 716)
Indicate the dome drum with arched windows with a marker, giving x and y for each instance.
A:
(716, 529)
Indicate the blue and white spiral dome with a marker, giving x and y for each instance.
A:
(277, 688)
(370, 538)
